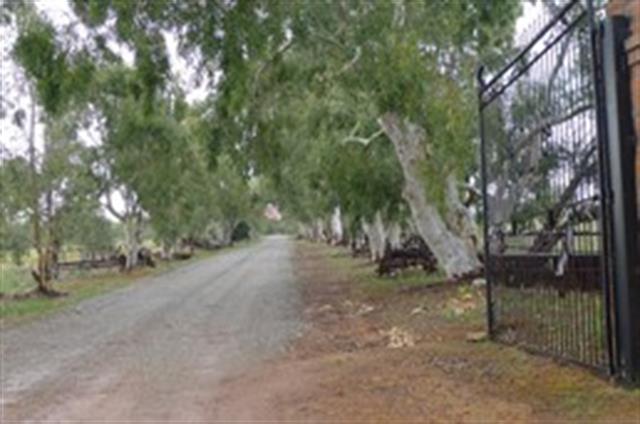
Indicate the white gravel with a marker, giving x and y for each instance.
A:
(158, 349)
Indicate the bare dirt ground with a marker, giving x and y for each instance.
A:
(156, 350)
(393, 355)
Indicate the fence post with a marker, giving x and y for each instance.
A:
(621, 148)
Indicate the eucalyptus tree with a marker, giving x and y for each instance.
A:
(401, 69)
(53, 79)
(413, 62)
(306, 145)
(404, 68)
(232, 198)
(69, 94)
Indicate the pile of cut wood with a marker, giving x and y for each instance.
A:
(414, 252)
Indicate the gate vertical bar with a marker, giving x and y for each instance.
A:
(621, 149)
(483, 165)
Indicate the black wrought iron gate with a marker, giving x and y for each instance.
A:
(546, 194)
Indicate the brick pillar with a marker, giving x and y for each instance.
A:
(631, 9)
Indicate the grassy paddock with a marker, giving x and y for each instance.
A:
(80, 286)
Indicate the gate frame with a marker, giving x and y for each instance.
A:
(618, 222)
(620, 140)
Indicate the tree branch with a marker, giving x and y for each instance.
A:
(362, 140)
(560, 61)
(351, 63)
(110, 208)
(549, 123)
(548, 237)
(281, 50)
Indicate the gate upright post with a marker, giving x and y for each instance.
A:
(485, 204)
(621, 141)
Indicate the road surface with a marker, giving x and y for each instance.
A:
(159, 349)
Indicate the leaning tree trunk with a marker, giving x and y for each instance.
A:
(454, 255)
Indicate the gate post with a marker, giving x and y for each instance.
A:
(621, 147)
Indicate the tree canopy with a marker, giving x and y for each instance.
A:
(302, 96)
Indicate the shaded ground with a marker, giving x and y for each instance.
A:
(156, 350)
(376, 350)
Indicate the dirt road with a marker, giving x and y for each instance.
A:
(157, 350)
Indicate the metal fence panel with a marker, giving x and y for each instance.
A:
(543, 173)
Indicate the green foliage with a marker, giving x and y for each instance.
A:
(14, 173)
(90, 231)
(14, 230)
(345, 67)
(58, 77)
(231, 194)
(304, 84)
(15, 239)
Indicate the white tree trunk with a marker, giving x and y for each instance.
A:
(319, 230)
(227, 234)
(377, 235)
(337, 230)
(394, 235)
(222, 233)
(133, 234)
(167, 251)
(454, 255)
(368, 231)
(305, 231)
(459, 217)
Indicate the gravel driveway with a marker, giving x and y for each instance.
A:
(157, 350)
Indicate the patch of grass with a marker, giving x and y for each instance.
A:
(82, 286)
(467, 306)
(15, 279)
(363, 272)
(576, 394)
(406, 279)
(13, 311)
